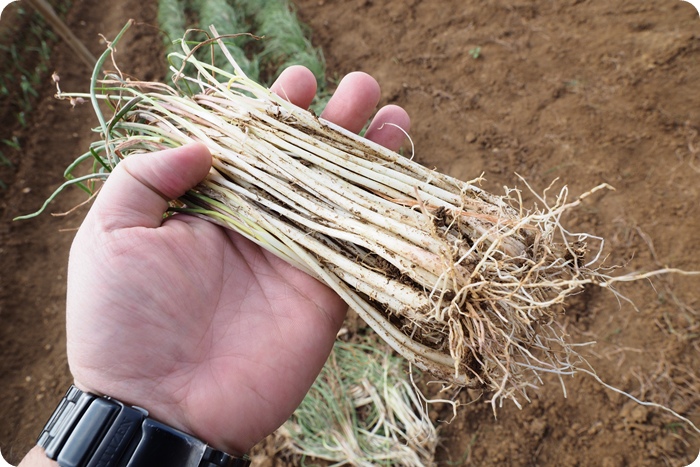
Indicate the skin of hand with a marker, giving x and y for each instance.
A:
(207, 331)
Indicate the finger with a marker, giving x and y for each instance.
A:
(389, 127)
(137, 192)
(297, 85)
(353, 102)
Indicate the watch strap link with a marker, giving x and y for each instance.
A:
(90, 431)
(66, 415)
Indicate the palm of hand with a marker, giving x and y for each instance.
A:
(243, 342)
(206, 330)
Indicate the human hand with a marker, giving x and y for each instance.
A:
(210, 333)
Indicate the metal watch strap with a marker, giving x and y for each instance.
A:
(86, 430)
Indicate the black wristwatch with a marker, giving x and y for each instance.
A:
(86, 430)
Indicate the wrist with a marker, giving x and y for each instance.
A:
(168, 413)
(36, 457)
(164, 411)
(90, 429)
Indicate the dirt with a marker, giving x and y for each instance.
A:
(583, 91)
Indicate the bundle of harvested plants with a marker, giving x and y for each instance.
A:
(463, 283)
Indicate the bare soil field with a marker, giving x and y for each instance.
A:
(583, 91)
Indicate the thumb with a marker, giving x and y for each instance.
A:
(137, 192)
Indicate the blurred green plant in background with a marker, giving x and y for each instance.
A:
(271, 37)
(25, 51)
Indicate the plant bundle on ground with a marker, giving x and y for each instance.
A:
(274, 37)
(362, 411)
(176, 16)
(464, 284)
(284, 39)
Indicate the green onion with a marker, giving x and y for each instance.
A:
(462, 283)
